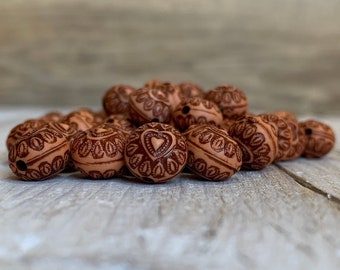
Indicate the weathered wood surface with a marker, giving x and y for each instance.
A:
(257, 220)
(284, 56)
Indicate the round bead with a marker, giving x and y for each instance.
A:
(231, 100)
(257, 140)
(120, 121)
(172, 90)
(297, 134)
(116, 99)
(212, 153)
(153, 83)
(149, 105)
(190, 89)
(284, 134)
(69, 132)
(155, 152)
(196, 111)
(174, 93)
(98, 153)
(81, 119)
(52, 116)
(40, 155)
(23, 129)
(320, 138)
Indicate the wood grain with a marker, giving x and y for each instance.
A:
(256, 220)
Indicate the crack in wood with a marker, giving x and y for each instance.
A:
(305, 183)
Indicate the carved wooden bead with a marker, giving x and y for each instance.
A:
(149, 105)
(81, 119)
(284, 134)
(257, 140)
(196, 111)
(155, 152)
(52, 116)
(23, 129)
(231, 100)
(298, 136)
(172, 90)
(68, 131)
(120, 121)
(153, 83)
(98, 153)
(174, 93)
(41, 155)
(212, 153)
(320, 138)
(116, 99)
(190, 89)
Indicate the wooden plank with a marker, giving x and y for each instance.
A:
(257, 220)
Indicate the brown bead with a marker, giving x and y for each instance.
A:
(52, 116)
(190, 89)
(231, 100)
(320, 138)
(226, 124)
(81, 119)
(23, 129)
(153, 83)
(98, 153)
(284, 134)
(68, 131)
(212, 153)
(298, 136)
(173, 91)
(41, 155)
(149, 105)
(257, 140)
(196, 110)
(120, 121)
(116, 99)
(99, 116)
(155, 152)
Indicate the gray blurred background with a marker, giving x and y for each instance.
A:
(283, 54)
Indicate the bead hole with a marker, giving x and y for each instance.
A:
(308, 131)
(21, 165)
(185, 109)
(110, 121)
(155, 120)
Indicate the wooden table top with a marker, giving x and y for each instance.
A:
(68, 53)
(286, 216)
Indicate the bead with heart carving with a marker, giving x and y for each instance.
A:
(155, 152)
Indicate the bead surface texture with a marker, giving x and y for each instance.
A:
(257, 140)
(98, 153)
(320, 138)
(212, 153)
(155, 152)
(41, 155)
(196, 110)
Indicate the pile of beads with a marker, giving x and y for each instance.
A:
(154, 132)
